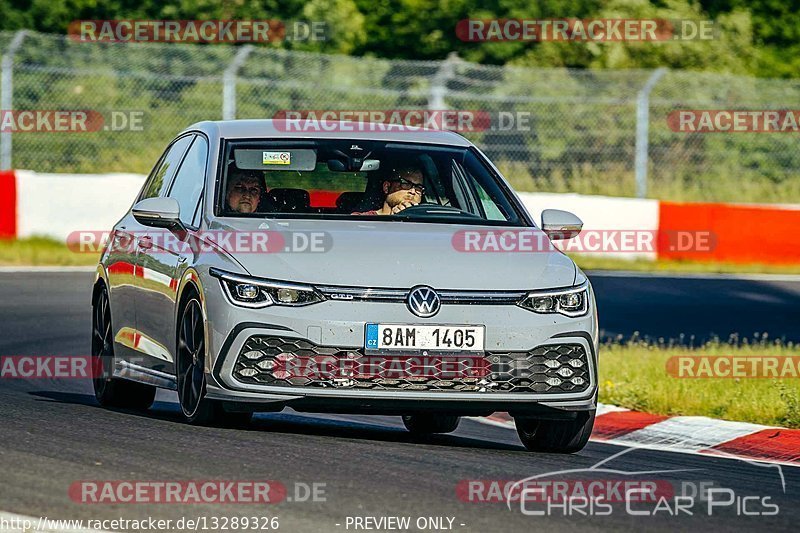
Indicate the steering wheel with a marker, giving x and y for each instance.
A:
(431, 209)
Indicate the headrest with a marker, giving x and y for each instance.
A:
(347, 201)
(287, 200)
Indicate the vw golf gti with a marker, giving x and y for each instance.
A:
(390, 271)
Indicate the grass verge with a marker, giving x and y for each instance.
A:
(587, 262)
(42, 251)
(634, 375)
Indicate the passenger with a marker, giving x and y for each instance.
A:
(402, 191)
(244, 192)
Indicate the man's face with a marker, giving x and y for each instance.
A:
(244, 195)
(405, 187)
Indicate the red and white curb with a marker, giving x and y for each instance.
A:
(687, 434)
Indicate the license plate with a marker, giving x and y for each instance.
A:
(417, 337)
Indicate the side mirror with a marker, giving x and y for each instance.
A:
(158, 212)
(560, 225)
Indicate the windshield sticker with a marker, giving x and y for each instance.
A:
(277, 158)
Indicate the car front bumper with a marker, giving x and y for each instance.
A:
(340, 325)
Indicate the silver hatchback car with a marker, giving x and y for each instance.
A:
(387, 272)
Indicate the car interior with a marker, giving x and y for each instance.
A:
(338, 180)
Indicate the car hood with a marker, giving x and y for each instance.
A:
(398, 255)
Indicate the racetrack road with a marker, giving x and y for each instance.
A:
(54, 435)
(692, 309)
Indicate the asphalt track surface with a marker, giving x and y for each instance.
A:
(52, 434)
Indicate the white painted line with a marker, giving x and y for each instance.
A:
(691, 433)
(691, 275)
(696, 453)
(605, 408)
(17, 522)
(45, 269)
(711, 430)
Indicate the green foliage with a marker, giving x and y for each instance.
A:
(759, 37)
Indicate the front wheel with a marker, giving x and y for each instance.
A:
(427, 424)
(556, 436)
(191, 375)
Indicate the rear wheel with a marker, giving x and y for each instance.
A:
(556, 436)
(111, 391)
(191, 374)
(427, 424)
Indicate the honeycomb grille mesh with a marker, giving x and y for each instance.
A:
(294, 362)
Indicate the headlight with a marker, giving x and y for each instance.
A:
(245, 291)
(570, 302)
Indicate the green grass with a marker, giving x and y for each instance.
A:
(634, 375)
(42, 251)
(588, 262)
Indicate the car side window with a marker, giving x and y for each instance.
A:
(489, 207)
(188, 184)
(162, 176)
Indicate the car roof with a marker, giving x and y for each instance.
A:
(275, 128)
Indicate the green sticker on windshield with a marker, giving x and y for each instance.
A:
(276, 158)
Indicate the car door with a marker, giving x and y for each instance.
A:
(122, 263)
(163, 256)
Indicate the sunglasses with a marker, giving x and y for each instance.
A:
(407, 185)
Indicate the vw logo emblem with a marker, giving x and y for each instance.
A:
(423, 301)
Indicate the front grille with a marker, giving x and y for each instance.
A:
(291, 362)
(447, 296)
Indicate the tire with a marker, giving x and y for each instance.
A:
(111, 391)
(427, 424)
(190, 374)
(556, 436)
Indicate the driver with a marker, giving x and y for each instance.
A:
(403, 190)
(244, 192)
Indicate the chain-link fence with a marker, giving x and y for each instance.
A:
(581, 134)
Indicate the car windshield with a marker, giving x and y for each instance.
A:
(355, 178)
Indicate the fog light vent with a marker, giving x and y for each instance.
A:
(254, 354)
(564, 372)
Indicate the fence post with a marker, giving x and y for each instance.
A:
(229, 82)
(6, 93)
(643, 131)
(439, 82)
